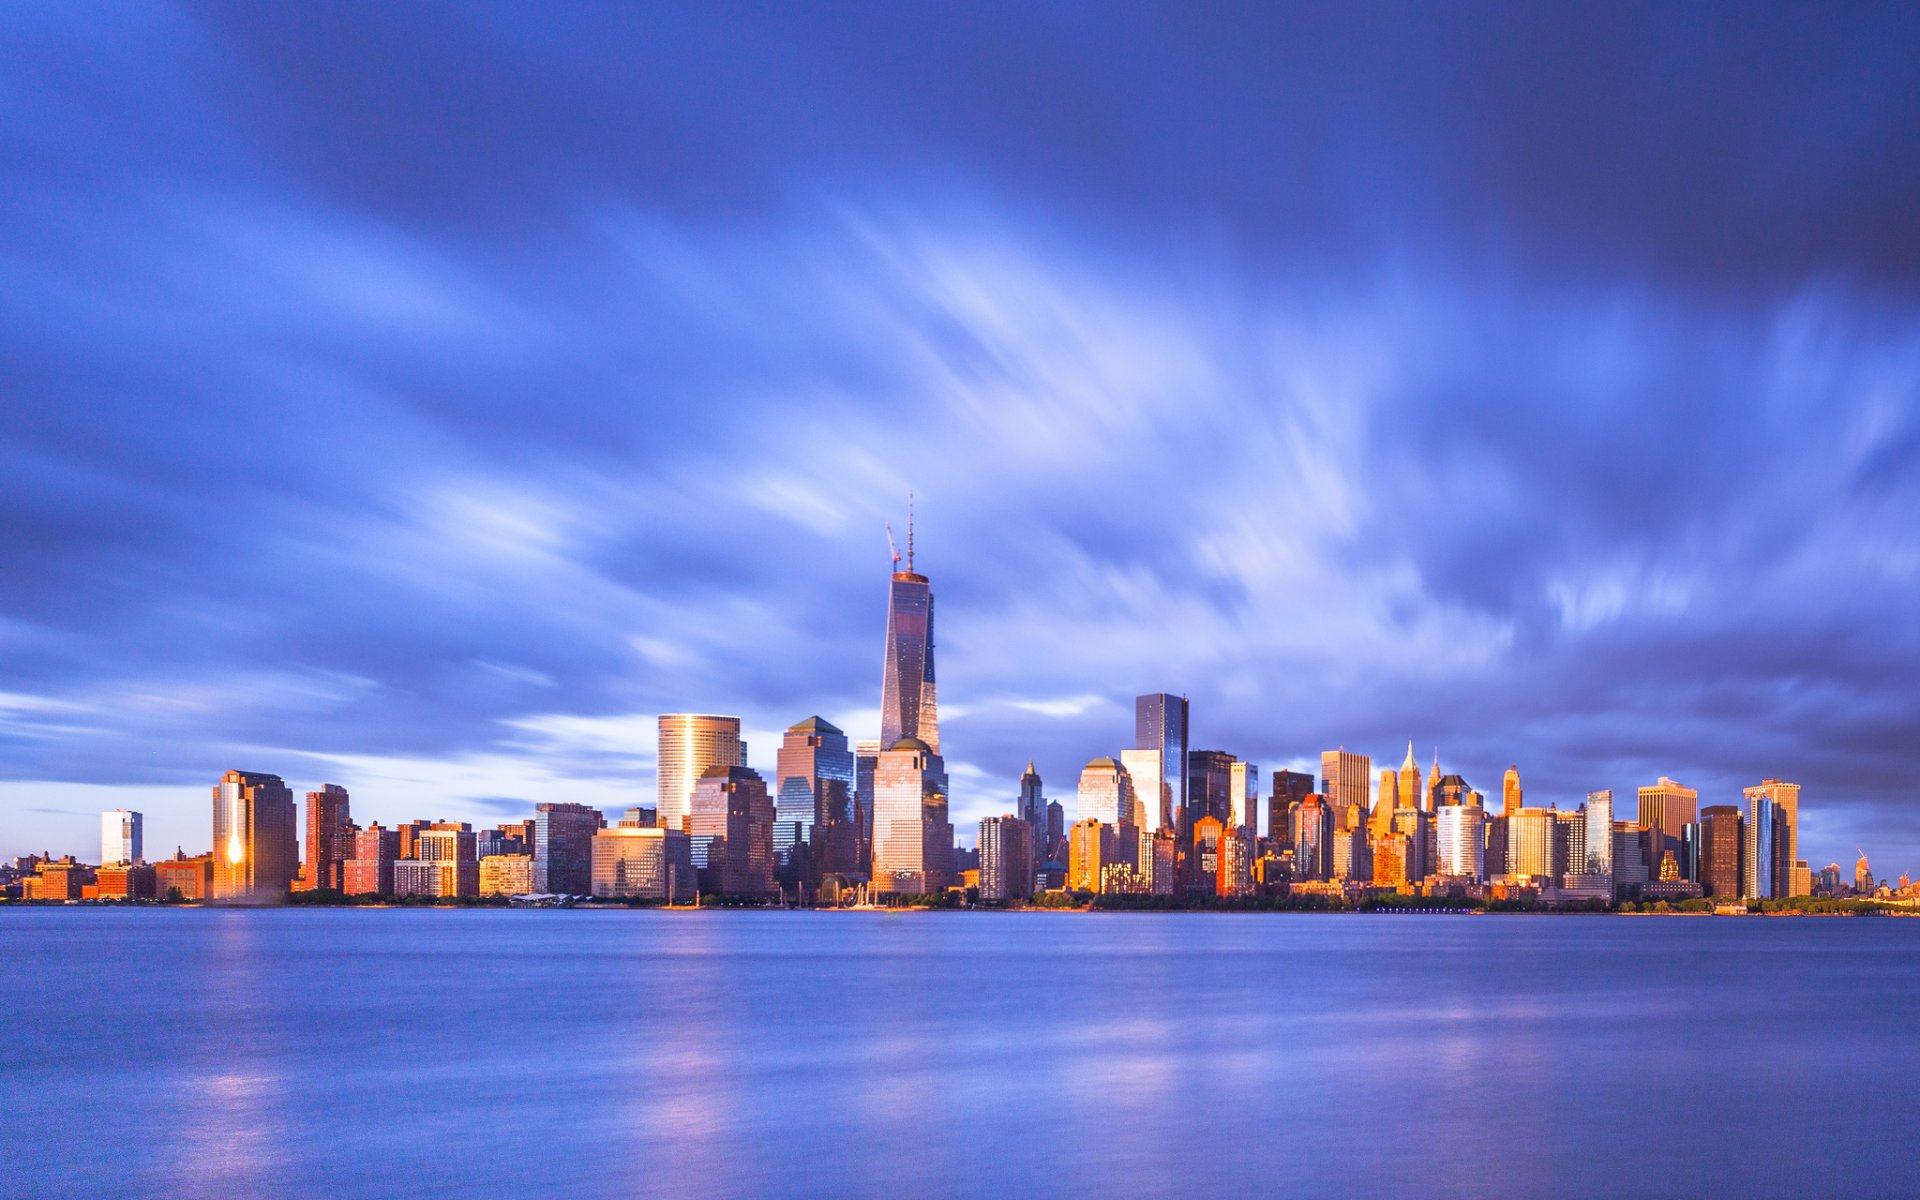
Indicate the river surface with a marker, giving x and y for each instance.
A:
(344, 1053)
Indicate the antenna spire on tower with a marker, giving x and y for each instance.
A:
(909, 529)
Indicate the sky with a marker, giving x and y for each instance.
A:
(423, 397)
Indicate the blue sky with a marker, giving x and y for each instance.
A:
(422, 397)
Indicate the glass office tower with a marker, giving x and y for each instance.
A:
(1160, 723)
(690, 744)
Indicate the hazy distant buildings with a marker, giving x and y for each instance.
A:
(255, 849)
(122, 837)
(563, 847)
(912, 837)
(690, 744)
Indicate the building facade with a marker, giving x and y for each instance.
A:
(255, 847)
(644, 863)
(563, 847)
(690, 745)
(122, 837)
(732, 831)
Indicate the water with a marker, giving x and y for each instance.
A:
(341, 1053)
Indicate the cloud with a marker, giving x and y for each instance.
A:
(433, 448)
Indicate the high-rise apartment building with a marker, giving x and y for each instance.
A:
(909, 707)
(370, 871)
(1720, 851)
(1461, 841)
(255, 847)
(644, 863)
(563, 847)
(814, 810)
(122, 837)
(732, 830)
(452, 846)
(912, 836)
(1006, 858)
(329, 838)
(1106, 794)
(690, 745)
(1160, 724)
(1665, 807)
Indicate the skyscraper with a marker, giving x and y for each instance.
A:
(563, 847)
(1786, 850)
(255, 849)
(1160, 723)
(1209, 786)
(122, 838)
(1289, 789)
(1411, 793)
(1152, 795)
(1461, 841)
(329, 839)
(690, 743)
(912, 837)
(1243, 799)
(1720, 851)
(1759, 830)
(1033, 808)
(1106, 794)
(1345, 780)
(1530, 842)
(814, 783)
(1510, 796)
(908, 704)
(1313, 827)
(732, 832)
(1598, 834)
(370, 871)
(643, 864)
(1664, 808)
(1385, 800)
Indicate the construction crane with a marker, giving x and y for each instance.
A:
(891, 548)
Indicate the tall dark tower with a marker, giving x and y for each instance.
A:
(908, 707)
(1160, 723)
(1033, 804)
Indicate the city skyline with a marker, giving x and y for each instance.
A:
(426, 405)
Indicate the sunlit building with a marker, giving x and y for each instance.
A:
(370, 871)
(1312, 839)
(1416, 826)
(1208, 832)
(1243, 797)
(1390, 860)
(122, 838)
(644, 863)
(1412, 795)
(1152, 795)
(255, 847)
(1785, 798)
(1106, 794)
(1346, 779)
(1530, 842)
(1386, 798)
(451, 845)
(1665, 807)
(506, 875)
(330, 833)
(1288, 789)
(690, 745)
(183, 878)
(1089, 853)
(1759, 833)
(1461, 841)
(912, 836)
(1511, 797)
